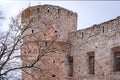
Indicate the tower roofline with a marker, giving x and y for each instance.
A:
(48, 5)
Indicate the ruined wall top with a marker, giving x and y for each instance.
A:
(103, 30)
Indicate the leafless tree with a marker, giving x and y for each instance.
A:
(10, 46)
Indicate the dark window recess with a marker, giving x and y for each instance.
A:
(75, 34)
(46, 43)
(53, 75)
(117, 61)
(58, 10)
(70, 63)
(103, 29)
(116, 52)
(63, 50)
(82, 34)
(48, 9)
(38, 9)
(55, 31)
(32, 31)
(91, 62)
(53, 61)
(68, 12)
(25, 52)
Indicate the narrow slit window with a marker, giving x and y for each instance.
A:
(53, 75)
(46, 43)
(82, 34)
(58, 10)
(55, 31)
(48, 9)
(103, 29)
(91, 62)
(70, 61)
(32, 31)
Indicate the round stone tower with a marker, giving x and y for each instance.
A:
(58, 20)
(46, 23)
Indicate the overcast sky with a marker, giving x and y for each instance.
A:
(89, 12)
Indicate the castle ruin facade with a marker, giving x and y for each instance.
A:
(87, 54)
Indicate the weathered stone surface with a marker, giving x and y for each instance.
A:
(52, 22)
(48, 23)
(53, 63)
(61, 21)
(101, 39)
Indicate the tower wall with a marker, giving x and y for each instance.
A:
(58, 20)
(53, 65)
(47, 23)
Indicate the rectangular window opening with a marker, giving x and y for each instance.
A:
(116, 58)
(91, 62)
(117, 61)
(70, 63)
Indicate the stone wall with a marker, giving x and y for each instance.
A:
(41, 17)
(100, 39)
(47, 24)
(53, 65)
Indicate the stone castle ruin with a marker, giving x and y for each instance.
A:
(87, 54)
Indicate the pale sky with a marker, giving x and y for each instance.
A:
(89, 12)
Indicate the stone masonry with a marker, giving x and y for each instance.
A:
(87, 54)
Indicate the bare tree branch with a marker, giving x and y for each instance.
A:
(10, 48)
